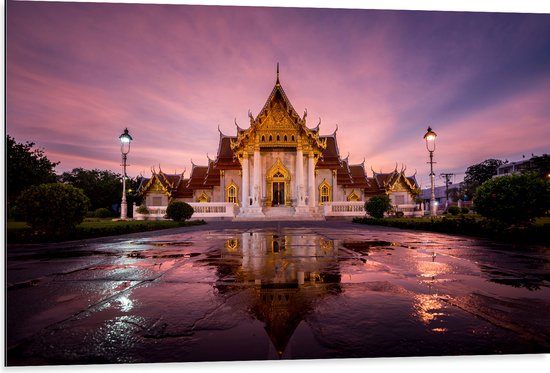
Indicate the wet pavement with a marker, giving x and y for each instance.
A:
(274, 290)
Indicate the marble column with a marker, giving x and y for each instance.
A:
(311, 180)
(244, 200)
(334, 184)
(300, 177)
(256, 177)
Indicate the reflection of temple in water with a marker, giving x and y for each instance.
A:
(289, 274)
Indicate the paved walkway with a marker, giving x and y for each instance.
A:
(269, 290)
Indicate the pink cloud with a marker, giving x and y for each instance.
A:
(79, 74)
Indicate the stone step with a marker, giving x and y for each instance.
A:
(278, 211)
(281, 213)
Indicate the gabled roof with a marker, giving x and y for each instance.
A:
(358, 176)
(385, 181)
(343, 173)
(275, 92)
(226, 159)
(279, 100)
(212, 176)
(372, 188)
(197, 177)
(169, 183)
(330, 158)
(182, 191)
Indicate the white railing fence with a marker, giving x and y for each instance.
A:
(344, 208)
(230, 210)
(409, 209)
(201, 210)
(213, 209)
(357, 209)
(155, 213)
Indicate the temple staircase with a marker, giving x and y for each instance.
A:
(283, 213)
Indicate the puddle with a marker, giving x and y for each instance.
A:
(276, 294)
(163, 243)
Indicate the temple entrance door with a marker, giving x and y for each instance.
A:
(278, 193)
(278, 186)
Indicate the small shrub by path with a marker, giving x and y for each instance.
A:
(20, 232)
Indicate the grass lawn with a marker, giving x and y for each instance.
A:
(20, 232)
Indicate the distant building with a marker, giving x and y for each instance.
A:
(511, 168)
(441, 196)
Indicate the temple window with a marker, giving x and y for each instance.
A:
(399, 199)
(286, 139)
(324, 192)
(292, 137)
(232, 193)
(263, 138)
(270, 138)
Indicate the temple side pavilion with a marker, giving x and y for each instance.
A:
(277, 168)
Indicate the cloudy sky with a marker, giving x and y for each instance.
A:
(78, 74)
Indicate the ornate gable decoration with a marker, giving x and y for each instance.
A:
(400, 183)
(157, 184)
(278, 125)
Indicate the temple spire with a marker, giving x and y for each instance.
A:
(278, 83)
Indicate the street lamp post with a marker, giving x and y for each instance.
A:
(125, 140)
(430, 145)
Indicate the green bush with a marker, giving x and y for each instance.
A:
(464, 210)
(102, 212)
(142, 209)
(513, 199)
(53, 208)
(453, 210)
(376, 206)
(179, 211)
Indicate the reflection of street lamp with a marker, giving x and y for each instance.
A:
(125, 140)
(430, 145)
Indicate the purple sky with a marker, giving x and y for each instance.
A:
(78, 74)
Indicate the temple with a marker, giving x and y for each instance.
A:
(278, 167)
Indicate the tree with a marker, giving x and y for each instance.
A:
(103, 187)
(541, 165)
(478, 174)
(455, 194)
(376, 206)
(514, 198)
(25, 167)
(179, 211)
(54, 208)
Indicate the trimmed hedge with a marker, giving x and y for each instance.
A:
(469, 226)
(93, 229)
(102, 212)
(55, 208)
(376, 206)
(179, 211)
(453, 210)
